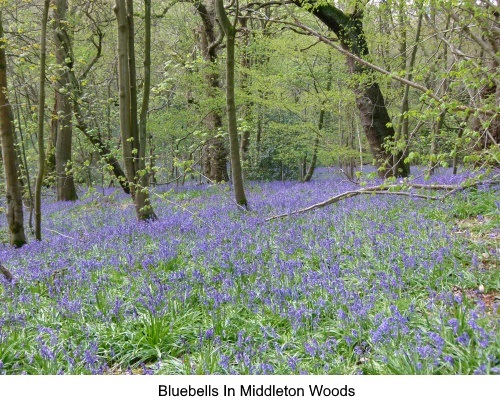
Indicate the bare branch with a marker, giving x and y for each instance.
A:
(6, 273)
(476, 39)
(390, 190)
(379, 69)
(96, 58)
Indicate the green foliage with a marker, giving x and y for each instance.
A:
(476, 203)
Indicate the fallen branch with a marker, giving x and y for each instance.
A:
(390, 190)
(60, 234)
(6, 273)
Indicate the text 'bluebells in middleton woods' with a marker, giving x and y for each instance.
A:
(256, 390)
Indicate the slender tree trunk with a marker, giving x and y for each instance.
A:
(258, 137)
(146, 87)
(310, 170)
(13, 194)
(144, 138)
(436, 130)
(143, 203)
(51, 144)
(132, 85)
(245, 79)
(41, 116)
(402, 132)
(66, 190)
(236, 172)
(128, 111)
(312, 167)
(24, 164)
(438, 124)
(124, 92)
(457, 142)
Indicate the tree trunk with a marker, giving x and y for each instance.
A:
(51, 144)
(236, 172)
(436, 130)
(214, 159)
(369, 99)
(124, 92)
(438, 123)
(24, 172)
(131, 144)
(41, 116)
(310, 170)
(13, 194)
(312, 167)
(94, 138)
(402, 132)
(66, 190)
(245, 79)
(143, 203)
(132, 88)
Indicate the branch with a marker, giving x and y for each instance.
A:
(453, 48)
(379, 69)
(96, 58)
(6, 273)
(350, 194)
(222, 17)
(386, 190)
(60, 234)
(167, 9)
(476, 39)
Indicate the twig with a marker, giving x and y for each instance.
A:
(60, 234)
(341, 171)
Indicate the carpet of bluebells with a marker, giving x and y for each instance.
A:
(365, 286)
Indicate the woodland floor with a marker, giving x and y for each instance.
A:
(372, 285)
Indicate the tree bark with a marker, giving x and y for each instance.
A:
(41, 116)
(236, 171)
(124, 92)
(402, 132)
(66, 190)
(143, 203)
(310, 170)
(131, 145)
(132, 87)
(214, 159)
(13, 194)
(245, 79)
